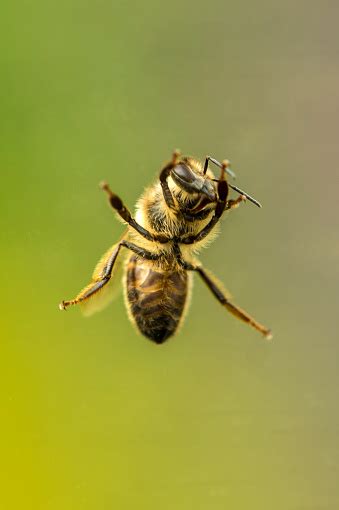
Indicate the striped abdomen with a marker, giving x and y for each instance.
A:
(156, 299)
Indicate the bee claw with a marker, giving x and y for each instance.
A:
(62, 305)
(175, 156)
(269, 335)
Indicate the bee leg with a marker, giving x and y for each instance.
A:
(86, 293)
(106, 274)
(220, 165)
(222, 190)
(125, 214)
(217, 291)
(233, 204)
(96, 284)
(164, 174)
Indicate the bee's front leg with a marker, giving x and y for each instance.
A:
(222, 193)
(164, 174)
(234, 204)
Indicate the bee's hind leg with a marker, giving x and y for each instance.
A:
(106, 273)
(216, 289)
(86, 293)
(96, 284)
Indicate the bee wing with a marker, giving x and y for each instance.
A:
(108, 292)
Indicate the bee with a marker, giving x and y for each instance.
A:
(175, 218)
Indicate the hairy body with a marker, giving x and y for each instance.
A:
(175, 218)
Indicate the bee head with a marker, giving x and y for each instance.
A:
(192, 181)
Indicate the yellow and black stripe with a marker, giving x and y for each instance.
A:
(156, 298)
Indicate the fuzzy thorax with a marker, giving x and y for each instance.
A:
(153, 214)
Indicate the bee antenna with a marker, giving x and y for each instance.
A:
(220, 165)
(242, 192)
(251, 199)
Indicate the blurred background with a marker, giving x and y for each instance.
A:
(93, 415)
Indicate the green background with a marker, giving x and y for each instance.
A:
(93, 416)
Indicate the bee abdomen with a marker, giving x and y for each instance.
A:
(156, 299)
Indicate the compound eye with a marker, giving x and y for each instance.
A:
(183, 174)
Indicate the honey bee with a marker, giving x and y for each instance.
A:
(175, 218)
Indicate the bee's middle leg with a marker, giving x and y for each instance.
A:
(125, 214)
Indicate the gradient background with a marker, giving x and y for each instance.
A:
(92, 415)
